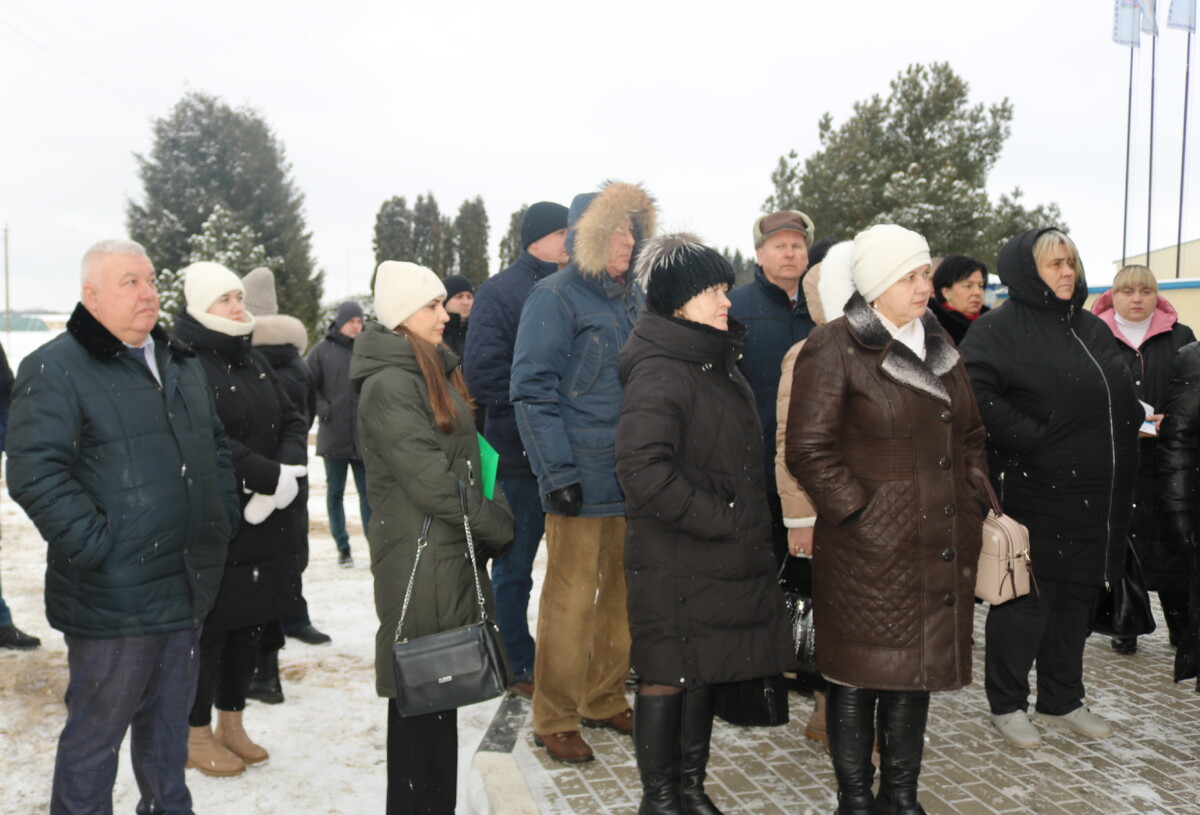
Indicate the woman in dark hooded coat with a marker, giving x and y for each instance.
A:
(1062, 425)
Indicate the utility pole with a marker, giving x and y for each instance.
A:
(7, 302)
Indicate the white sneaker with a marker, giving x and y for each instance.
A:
(1081, 721)
(1017, 729)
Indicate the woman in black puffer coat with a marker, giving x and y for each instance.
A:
(1062, 423)
(704, 603)
(1149, 335)
(267, 438)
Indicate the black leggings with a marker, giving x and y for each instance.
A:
(422, 762)
(227, 661)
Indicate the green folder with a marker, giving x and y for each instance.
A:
(489, 460)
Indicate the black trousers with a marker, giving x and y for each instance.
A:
(1048, 626)
(422, 762)
(227, 660)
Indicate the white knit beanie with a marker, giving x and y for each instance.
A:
(882, 255)
(402, 289)
(203, 285)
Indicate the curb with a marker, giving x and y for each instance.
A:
(505, 787)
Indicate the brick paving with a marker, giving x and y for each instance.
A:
(1149, 765)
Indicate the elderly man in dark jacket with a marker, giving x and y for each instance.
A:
(567, 397)
(337, 436)
(117, 455)
(487, 364)
(774, 310)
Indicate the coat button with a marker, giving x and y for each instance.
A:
(947, 416)
(233, 388)
(948, 599)
(947, 554)
(683, 639)
(944, 462)
(949, 509)
(682, 599)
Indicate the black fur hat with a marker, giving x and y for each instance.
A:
(674, 268)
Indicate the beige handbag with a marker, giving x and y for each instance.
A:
(1004, 572)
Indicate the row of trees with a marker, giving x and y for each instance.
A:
(217, 186)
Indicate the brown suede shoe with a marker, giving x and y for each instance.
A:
(567, 747)
(522, 688)
(622, 722)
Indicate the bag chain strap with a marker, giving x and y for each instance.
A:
(423, 541)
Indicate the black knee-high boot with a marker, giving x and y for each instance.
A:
(902, 718)
(656, 729)
(697, 733)
(850, 720)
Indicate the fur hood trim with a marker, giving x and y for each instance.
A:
(835, 285)
(592, 228)
(898, 362)
(279, 329)
(99, 341)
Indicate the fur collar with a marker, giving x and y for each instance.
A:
(596, 224)
(898, 361)
(279, 329)
(100, 342)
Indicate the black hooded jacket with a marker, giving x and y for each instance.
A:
(1062, 420)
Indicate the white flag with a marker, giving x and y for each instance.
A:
(1182, 15)
(1127, 23)
(1149, 16)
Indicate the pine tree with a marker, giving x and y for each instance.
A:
(471, 231)
(206, 154)
(393, 231)
(428, 226)
(510, 244)
(919, 158)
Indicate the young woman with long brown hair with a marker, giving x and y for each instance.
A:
(417, 432)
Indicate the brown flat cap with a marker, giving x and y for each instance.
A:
(785, 220)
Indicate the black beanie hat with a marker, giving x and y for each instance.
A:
(346, 312)
(674, 268)
(540, 220)
(457, 284)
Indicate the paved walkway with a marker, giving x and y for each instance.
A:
(1149, 765)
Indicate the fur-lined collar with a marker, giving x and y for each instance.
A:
(100, 342)
(279, 329)
(589, 233)
(898, 361)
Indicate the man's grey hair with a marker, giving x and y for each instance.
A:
(112, 246)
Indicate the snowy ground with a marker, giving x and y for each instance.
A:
(327, 741)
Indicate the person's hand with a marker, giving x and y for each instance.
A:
(288, 487)
(1180, 531)
(1157, 419)
(567, 501)
(800, 541)
(258, 508)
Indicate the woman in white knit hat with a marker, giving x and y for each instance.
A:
(266, 436)
(883, 434)
(418, 440)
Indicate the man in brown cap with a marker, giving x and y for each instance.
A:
(774, 311)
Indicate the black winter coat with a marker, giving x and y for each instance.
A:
(955, 322)
(295, 377)
(704, 601)
(1150, 366)
(129, 483)
(1179, 442)
(773, 326)
(337, 404)
(488, 356)
(1062, 421)
(264, 430)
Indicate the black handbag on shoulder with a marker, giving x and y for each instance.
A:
(449, 669)
(1124, 611)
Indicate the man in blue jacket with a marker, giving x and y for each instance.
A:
(774, 311)
(487, 364)
(116, 453)
(567, 396)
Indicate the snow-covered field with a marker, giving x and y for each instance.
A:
(327, 741)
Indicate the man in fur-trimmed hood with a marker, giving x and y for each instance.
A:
(567, 397)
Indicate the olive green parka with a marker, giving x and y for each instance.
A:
(413, 470)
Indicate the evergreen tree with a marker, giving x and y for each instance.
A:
(428, 246)
(919, 158)
(510, 244)
(743, 269)
(206, 154)
(471, 232)
(393, 231)
(448, 257)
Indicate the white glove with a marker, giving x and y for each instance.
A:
(288, 488)
(258, 508)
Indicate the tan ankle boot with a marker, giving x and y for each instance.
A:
(815, 729)
(209, 756)
(231, 734)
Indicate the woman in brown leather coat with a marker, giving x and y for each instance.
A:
(882, 432)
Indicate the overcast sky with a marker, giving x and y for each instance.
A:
(525, 101)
